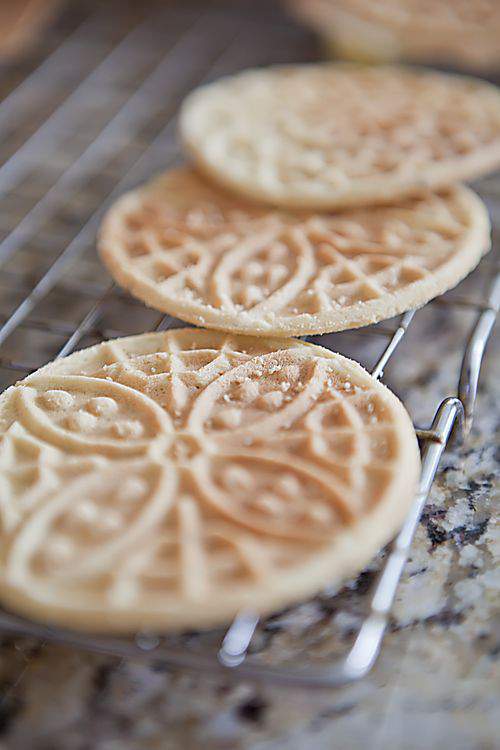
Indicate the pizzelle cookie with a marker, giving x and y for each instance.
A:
(464, 32)
(169, 480)
(335, 135)
(196, 252)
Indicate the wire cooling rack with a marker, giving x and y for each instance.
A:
(91, 113)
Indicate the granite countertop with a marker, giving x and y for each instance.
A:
(435, 682)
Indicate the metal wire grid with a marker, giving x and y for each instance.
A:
(108, 92)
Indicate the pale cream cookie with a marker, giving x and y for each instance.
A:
(196, 252)
(336, 135)
(170, 480)
(463, 33)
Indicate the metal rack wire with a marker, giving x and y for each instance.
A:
(94, 117)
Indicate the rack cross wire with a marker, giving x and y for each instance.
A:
(91, 115)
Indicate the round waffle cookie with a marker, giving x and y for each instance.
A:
(463, 32)
(189, 249)
(334, 136)
(169, 480)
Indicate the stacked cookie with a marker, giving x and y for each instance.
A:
(172, 479)
(311, 210)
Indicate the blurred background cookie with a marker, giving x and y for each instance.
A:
(336, 135)
(461, 33)
(20, 23)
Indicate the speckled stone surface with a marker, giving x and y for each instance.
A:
(437, 680)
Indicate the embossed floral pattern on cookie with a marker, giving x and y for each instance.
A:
(168, 480)
(189, 249)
